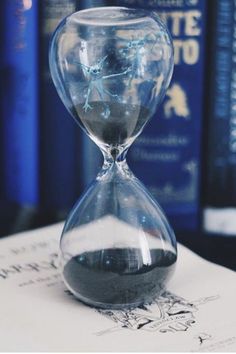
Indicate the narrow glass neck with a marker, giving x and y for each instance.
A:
(115, 164)
(114, 155)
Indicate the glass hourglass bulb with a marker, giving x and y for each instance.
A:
(111, 67)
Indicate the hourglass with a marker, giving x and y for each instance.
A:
(111, 67)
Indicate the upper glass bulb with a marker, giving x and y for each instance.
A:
(110, 63)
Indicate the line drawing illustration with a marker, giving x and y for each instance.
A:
(170, 313)
(202, 337)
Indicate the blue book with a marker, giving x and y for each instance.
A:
(166, 157)
(221, 149)
(60, 136)
(220, 189)
(85, 4)
(19, 76)
(1, 102)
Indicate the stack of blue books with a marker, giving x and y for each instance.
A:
(186, 155)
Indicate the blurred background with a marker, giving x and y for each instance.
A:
(185, 156)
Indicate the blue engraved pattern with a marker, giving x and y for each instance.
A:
(94, 73)
(95, 77)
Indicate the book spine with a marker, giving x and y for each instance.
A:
(20, 103)
(1, 101)
(60, 182)
(169, 148)
(220, 138)
(232, 117)
(85, 4)
(220, 164)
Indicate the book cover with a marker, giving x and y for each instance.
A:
(1, 101)
(60, 136)
(20, 101)
(166, 157)
(221, 147)
(19, 116)
(220, 164)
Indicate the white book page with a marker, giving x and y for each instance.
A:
(196, 313)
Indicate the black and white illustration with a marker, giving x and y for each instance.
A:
(169, 314)
(187, 318)
(203, 337)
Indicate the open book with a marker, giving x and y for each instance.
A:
(196, 313)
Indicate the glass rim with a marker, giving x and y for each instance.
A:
(136, 16)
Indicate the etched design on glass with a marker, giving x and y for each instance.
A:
(95, 78)
(134, 52)
(157, 84)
